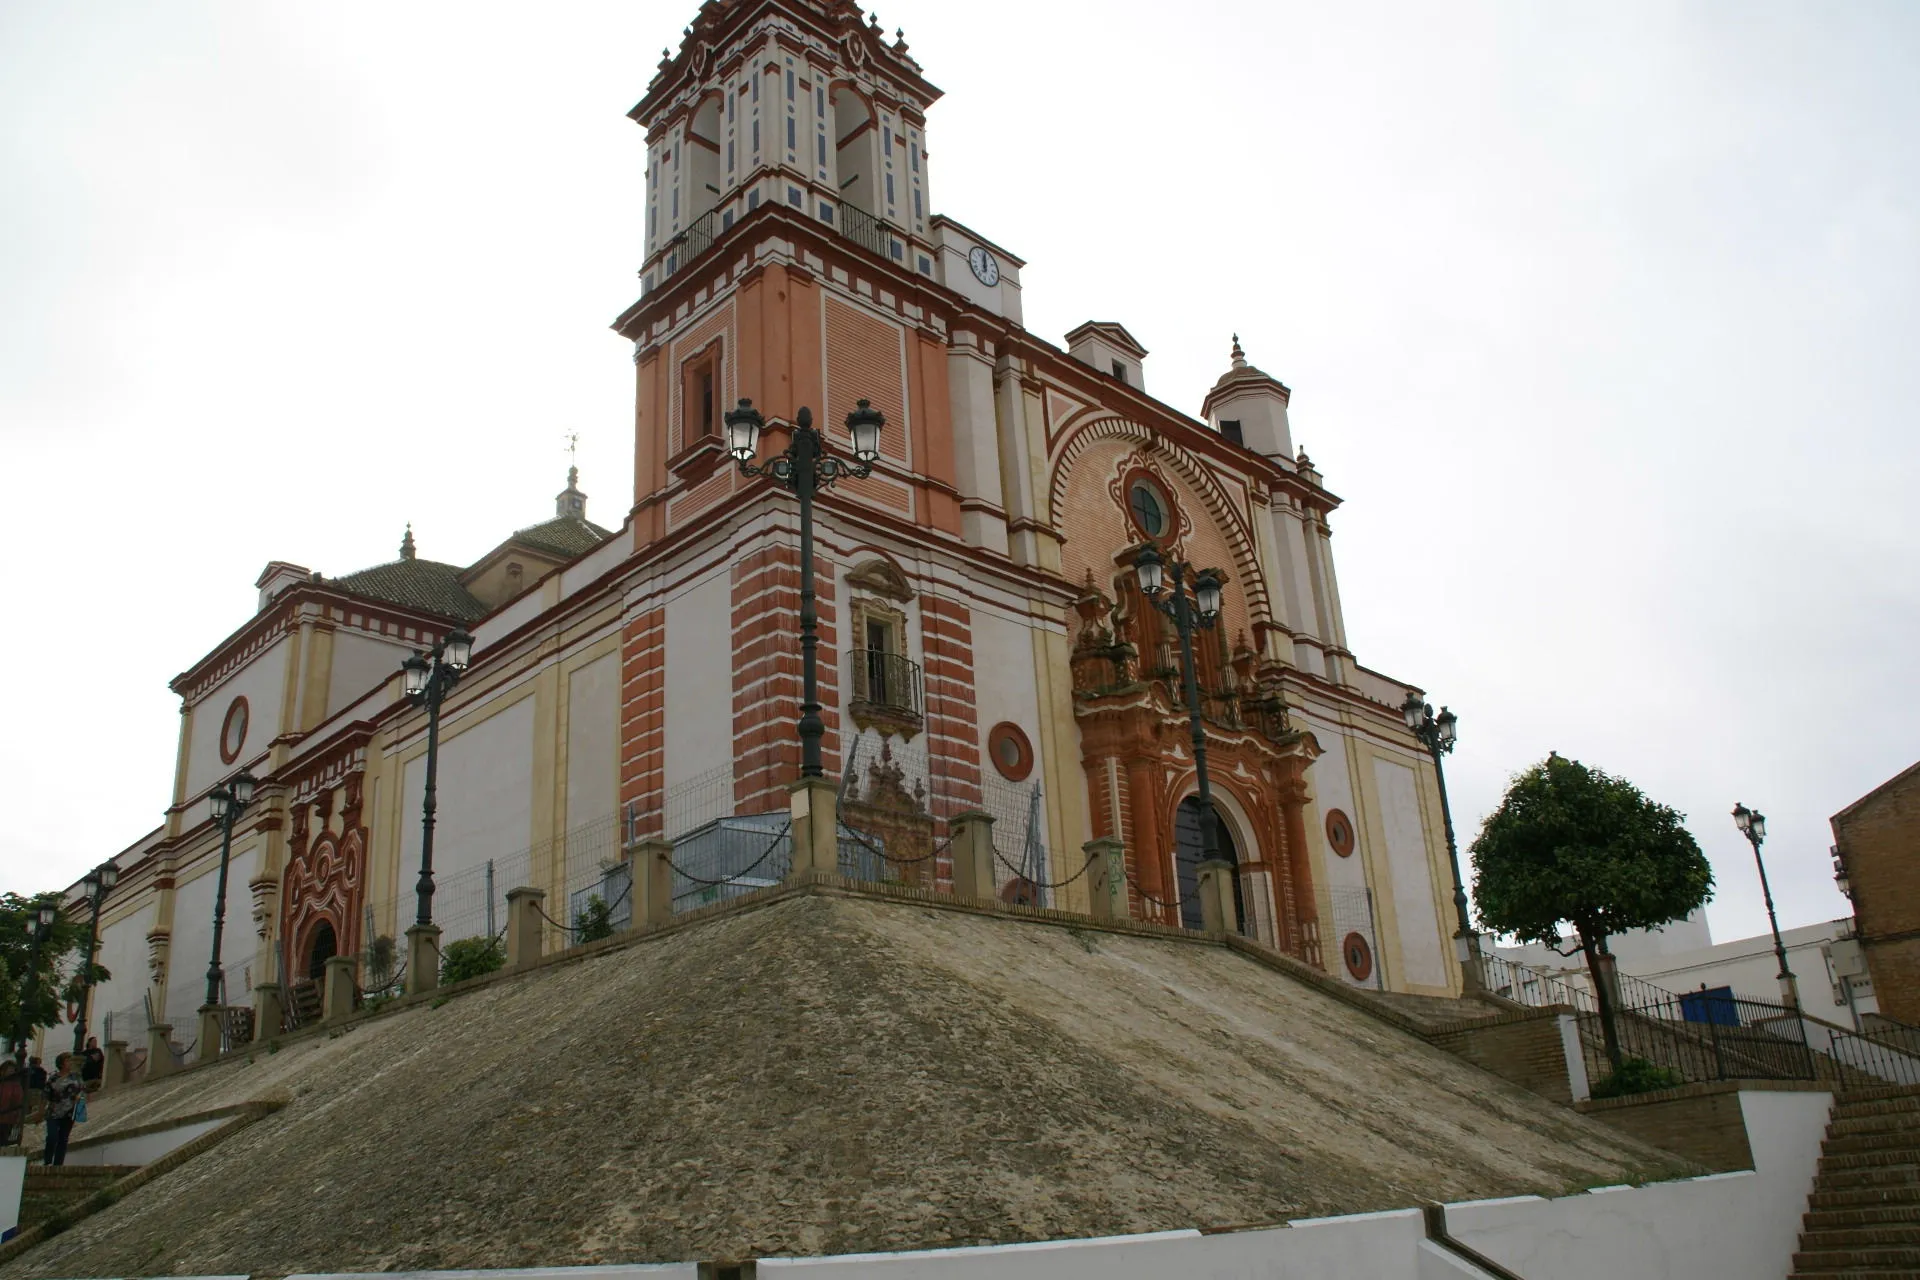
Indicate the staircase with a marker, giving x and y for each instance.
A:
(1863, 1218)
(51, 1191)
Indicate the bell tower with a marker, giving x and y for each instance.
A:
(803, 103)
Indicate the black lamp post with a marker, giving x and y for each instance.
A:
(98, 881)
(1753, 825)
(804, 469)
(428, 681)
(1190, 612)
(1437, 734)
(228, 803)
(37, 930)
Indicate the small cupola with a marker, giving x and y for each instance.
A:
(1249, 407)
(1110, 349)
(277, 577)
(570, 501)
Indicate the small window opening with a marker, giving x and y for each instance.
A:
(1120, 371)
(1230, 428)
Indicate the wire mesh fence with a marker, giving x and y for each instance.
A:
(1348, 925)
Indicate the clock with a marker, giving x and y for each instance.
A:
(985, 269)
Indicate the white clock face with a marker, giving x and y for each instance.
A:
(985, 269)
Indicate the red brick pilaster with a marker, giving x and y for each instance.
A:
(766, 674)
(643, 719)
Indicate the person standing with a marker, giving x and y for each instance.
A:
(36, 1076)
(64, 1090)
(13, 1102)
(93, 1064)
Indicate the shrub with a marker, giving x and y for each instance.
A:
(594, 921)
(465, 958)
(1637, 1075)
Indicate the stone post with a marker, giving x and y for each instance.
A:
(268, 1011)
(116, 1072)
(423, 958)
(208, 1046)
(1106, 878)
(972, 850)
(159, 1050)
(523, 926)
(651, 865)
(1216, 897)
(814, 805)
(336, 996)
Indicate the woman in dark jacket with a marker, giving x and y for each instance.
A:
(13, 1103)
(64, 1090)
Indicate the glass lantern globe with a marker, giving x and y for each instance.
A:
(864, 425)
(457, 649)
(1151, 571)
(242, 788)
(1206, 591)
(416, 670)
(743, 431)
(219, 801)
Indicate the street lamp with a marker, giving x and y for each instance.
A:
(228, 803)
(1437, 735)
(1753, 825)
(1189, 613)
(37, 930)
(98, 881)
(803, 469)
(428, 682)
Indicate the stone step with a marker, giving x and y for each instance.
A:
(1865, 1198)
(1845, 1144)
(1897, 1175)
(1858, 1273)
(1844, 1260)
(1856, 1237)
(1872, 1159)
(1862, 1216)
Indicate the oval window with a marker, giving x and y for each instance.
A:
(1010, 751)
(233, 731)
(1148, 509)
(1358, 955)
(1340, 832)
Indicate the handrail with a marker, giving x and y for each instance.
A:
(884, 679)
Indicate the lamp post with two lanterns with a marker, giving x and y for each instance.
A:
(1753, 825)
(429, 678)
(1437, 734)
(98, 881)
(1164, 583)
(38, 930)
(227, 803)
(806, 467)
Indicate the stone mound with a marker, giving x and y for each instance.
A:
(826, 1073)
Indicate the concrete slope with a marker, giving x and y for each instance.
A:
(826, 1074)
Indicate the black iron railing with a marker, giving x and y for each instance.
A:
(1705, 1035)
(886, 680)
(864, 229)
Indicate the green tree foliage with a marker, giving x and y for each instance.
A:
(38, 981)
(466, 958)
(1572, 844)
(594, 921)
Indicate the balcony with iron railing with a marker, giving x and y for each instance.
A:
(884, 692)
(691, 244)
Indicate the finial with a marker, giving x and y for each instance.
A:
(1239, 356)
(406, 543)
(573, 477)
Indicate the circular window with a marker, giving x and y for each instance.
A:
(1340, 833)
(1148, 507)
(1358, 955)
(233, 731)
(1010, 751)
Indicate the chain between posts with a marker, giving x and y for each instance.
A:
(701, 883)
(571, 929)
(884, 856)
(1057, 884)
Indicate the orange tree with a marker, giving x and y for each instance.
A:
(1572, 844)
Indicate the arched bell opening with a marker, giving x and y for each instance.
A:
(1189, 848)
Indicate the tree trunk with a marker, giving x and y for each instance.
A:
(1599, 966)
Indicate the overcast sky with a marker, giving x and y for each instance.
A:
(1600, 318)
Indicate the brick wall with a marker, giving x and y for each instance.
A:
(953, 723)
(1879, 841)
(766, 674)
(1523, 1048)
(643, 718)
(1701, 1122)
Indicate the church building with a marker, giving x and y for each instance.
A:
(985, 645)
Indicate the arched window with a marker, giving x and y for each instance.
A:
(321, 949)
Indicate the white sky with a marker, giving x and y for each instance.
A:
(1600, 317)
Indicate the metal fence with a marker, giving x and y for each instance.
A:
(1536, 988)
(1703, 1035)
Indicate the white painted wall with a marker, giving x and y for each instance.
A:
(1422, 962)
(359, 663)
(261, 682)
(123, 950)
(13, 1181)
(593, 762)
(699, 683)
(1004, 685)
(193, 933)
(143, 1148)
(650, 1270)
(485, 793)
(1730, 1226)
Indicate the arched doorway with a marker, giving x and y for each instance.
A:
(323, 947)
(1188, 848)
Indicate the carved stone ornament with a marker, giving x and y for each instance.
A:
(882, 579)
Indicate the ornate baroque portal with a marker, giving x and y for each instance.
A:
(323, 889)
